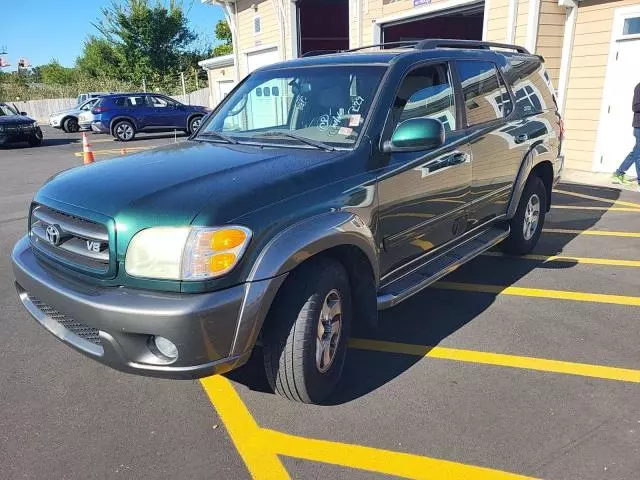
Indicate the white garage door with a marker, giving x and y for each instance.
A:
(261, 58)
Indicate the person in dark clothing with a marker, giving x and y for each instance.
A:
(634, 155)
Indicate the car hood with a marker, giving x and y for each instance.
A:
(15, 120)
(172, 185)
(65, 111)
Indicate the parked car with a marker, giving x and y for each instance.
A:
(18, 127)
(123, 115)
(67, 119)
(83, 97)
(322, 190)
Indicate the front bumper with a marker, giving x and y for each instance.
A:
(214, 332)
(99, 127)
(20, 136)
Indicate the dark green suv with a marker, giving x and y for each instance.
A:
(321, 191)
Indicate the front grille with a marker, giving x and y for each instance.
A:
(83, 331)
(78, 241)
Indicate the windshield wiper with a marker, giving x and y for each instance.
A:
(222, 136)
(300, 138)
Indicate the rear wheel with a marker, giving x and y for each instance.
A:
(124, 131)
(194, 123)
(70, 125)
(305, 337)
(526, 225)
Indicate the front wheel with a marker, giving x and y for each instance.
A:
(306, 334)
(35, 140)
(124, 131)
(526, 225)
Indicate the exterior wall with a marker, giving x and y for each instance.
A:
(522, 19)
(269, 28)
(216, 75)
(498, 21)
(586, 79)
(550, 35)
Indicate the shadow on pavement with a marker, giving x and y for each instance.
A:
(434, 314)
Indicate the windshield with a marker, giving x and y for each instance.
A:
(322, 107)
(6, 111)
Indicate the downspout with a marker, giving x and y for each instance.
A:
(358, 15)
(230, 16)
(511, 21)
(567, 51)
(533, 19)
(485, 20)
(279, 11)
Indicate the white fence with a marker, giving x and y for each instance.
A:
(41, 109)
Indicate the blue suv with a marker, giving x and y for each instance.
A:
(124, 114)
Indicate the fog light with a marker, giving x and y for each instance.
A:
(166, 347)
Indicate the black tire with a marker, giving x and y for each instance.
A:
(35, 140)
(70, 125)
(124, 131)
(519, 242)
(194, 123)
(292, 327)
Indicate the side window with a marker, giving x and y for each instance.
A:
(531, 86)
(134, 102)
(157, 102)
(427, 92)
(119, 102)
(485, 96)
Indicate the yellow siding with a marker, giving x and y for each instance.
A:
(550, 36)
(586, 79)
(521, 22)
(498, 20)
(269, 27)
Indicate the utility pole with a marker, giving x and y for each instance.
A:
(195, 72)
(184, 89)
(144, 85)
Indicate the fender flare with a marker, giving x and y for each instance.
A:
(532, 159)
(190, 117)
(286, 251)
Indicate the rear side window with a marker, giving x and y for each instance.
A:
(531, 86)
(119, 102)
(485, 95)
(427, 93)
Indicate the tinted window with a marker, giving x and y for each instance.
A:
(484, 95)
(426, 93)
(119, 101)
(531, 86)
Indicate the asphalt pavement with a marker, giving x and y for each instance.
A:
(509, 368)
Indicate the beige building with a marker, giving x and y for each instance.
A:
(591, 50)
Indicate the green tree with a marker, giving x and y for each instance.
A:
(146, 40)
(223, 34)
(54, 73)
(99, 59)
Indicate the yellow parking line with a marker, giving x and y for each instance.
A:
(115, 150)
(565, 259)
(540, 293)
(598, 199)
(259, 447)
(601, 209)
(500, 359)
(260, 458)
(598, 233)
(376, 460)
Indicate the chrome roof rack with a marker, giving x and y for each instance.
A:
(433, 43)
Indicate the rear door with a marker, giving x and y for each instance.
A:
(423, 195)
(497, 145)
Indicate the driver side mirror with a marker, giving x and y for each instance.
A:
(414, 135)
(24, 114)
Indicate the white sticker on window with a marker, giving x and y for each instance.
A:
(354, 120)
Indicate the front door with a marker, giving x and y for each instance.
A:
(623, 74)
(165, 113)
(423, 195)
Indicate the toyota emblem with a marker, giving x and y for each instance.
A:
(53, 235)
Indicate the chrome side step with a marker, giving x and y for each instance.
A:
(431, 272)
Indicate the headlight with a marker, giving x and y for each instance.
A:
(34, 124)
(186, 253)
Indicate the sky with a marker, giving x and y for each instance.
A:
(44, 29)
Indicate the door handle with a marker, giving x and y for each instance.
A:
(458, 158)
(522, 138)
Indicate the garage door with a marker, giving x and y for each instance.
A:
(464, 23)
(259, 59)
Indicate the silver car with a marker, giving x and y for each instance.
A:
(67, 119)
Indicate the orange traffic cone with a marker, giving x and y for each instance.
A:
(86, 150)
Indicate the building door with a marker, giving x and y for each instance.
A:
(623, 74)
(224, 88)
(261, 58)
